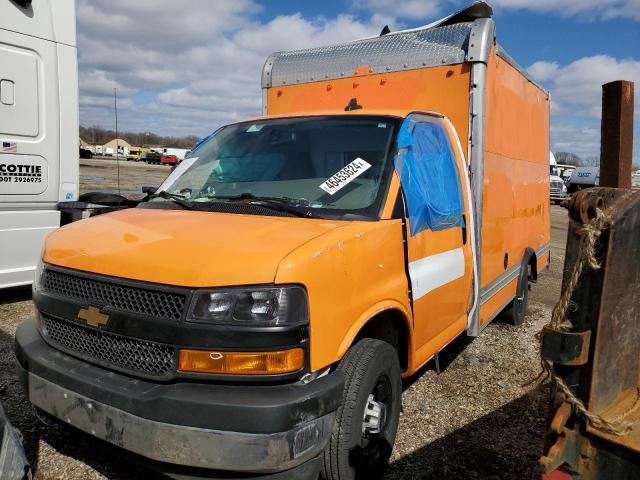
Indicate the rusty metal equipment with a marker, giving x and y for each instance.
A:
(598, 355)
(616, 146)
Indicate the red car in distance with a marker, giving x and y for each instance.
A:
(169, 160)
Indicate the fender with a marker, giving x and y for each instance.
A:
(367, 315)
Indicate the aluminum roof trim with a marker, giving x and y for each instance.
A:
(502, 53)
(443, 42)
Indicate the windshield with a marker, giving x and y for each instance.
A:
(326, 166)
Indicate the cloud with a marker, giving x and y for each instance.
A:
(543, 71)
(576, 93)
(583, 141)
(187, 70)
(201, 64)
(406, 9)
(576, 88)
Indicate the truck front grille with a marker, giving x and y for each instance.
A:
(129, 355)
(155, 303)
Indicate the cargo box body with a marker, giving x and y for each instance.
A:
(454, 68)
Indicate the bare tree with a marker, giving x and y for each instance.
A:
(99, 136)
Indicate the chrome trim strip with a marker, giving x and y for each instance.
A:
(179, 444)
(264, 101)
(480, 40)
(476, 147)
(471, 225)
(499, 283)
(503, 280)
(267, 70)
(543, 249)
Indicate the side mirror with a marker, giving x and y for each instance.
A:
(149, 189)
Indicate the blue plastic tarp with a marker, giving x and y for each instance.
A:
(429, 176)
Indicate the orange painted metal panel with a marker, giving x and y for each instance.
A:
(496, 303)
(176, 247)
(516, 172)
(517, 118)
(515, 213)
(351, 274)
(439, 89)
(543, 261)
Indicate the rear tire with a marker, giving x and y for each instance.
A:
(516, 311)
(361, 442)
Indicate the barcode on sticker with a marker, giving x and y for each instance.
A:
(345, 176)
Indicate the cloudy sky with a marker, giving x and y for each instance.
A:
(187, 67)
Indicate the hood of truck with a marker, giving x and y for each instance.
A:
(185, 248)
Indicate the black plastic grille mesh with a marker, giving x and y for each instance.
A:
(122, 297)
(245, 208)
(121, 353)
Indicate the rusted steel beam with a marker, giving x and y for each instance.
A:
(597, 355)
(616, 144)
(565, 348)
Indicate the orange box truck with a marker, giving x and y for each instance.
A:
(256, 315)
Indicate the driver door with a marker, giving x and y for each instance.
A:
(439, 243)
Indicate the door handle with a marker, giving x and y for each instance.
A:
(464, 229)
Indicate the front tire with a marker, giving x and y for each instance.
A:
(367, 420)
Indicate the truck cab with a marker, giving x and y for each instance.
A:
(258, 313)
(584, 177)
(38, 129)
(557, 184)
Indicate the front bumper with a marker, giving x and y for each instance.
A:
(558, 195)
(239, 428)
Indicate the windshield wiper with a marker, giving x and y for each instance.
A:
(179, 199)
(279, 204)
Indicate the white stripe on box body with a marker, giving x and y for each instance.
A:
(433, 271)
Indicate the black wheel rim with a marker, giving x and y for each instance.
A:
(521, 300)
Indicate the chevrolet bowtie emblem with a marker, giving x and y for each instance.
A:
(93, 316)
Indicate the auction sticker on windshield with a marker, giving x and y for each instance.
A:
(345, 176)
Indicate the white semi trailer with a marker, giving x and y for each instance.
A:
(38, 128)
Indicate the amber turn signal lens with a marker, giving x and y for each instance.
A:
(241, 363)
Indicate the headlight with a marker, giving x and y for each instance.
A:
(37, 280)
(259, 306)
(564, 188)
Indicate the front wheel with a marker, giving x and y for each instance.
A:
(367, 420)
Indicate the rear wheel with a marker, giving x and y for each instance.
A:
(517, 309)
(367, 421)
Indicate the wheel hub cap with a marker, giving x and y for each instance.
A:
(374, 416)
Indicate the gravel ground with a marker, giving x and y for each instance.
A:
(475, 420)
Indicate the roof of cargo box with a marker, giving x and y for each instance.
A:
(464, 36)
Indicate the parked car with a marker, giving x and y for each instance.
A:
(85, 153)
(169, 160)
(136, 153)
(152, 157)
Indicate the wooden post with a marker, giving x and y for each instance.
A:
(616, 144)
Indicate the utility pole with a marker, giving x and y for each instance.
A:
(616, 143)
(115, 107)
